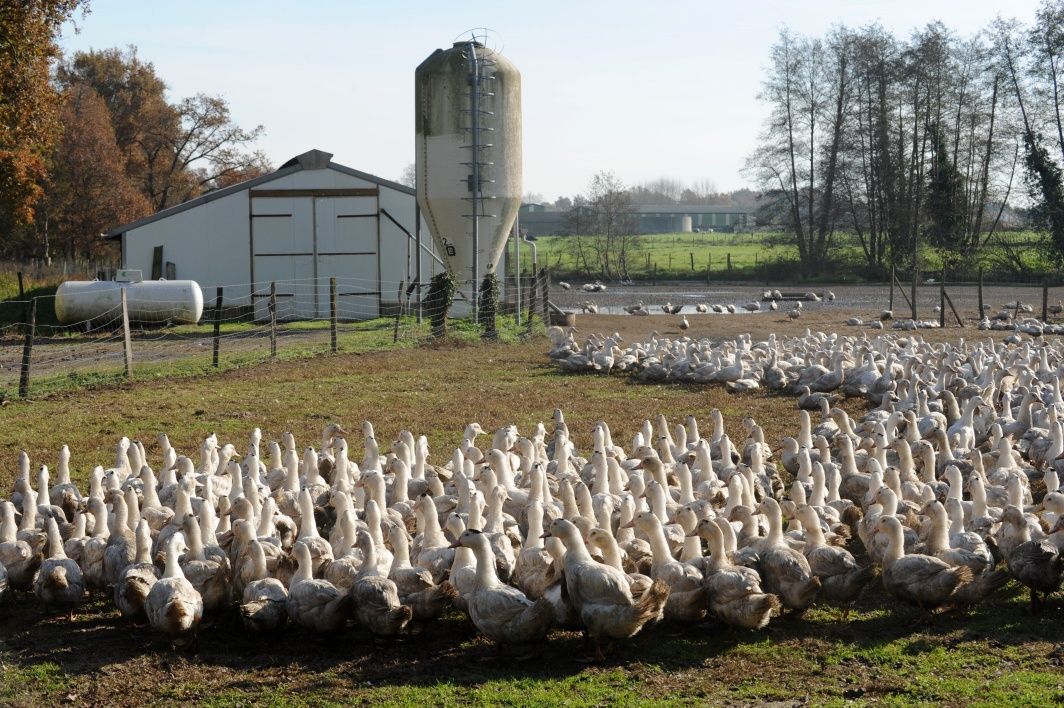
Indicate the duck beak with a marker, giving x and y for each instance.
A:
(629, 525)
(546, 534)
(456, 544)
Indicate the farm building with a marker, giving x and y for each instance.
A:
(538, 220)
(309, 220)
(685, 218)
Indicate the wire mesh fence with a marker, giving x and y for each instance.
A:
(242, 324)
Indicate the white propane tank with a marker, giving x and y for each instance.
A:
(150, 301)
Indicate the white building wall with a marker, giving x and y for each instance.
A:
(210, 243)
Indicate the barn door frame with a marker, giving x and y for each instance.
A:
(313, 194)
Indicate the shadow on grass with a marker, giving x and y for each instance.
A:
(450, 652)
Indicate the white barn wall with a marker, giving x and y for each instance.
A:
(210, 242)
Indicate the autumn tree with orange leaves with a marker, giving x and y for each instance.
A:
(28, 100)
(87, 189)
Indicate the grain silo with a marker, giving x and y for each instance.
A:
(468, 143)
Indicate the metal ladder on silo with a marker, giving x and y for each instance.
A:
(481, 80)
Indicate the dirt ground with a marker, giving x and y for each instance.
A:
(68, 355)
(865, 301)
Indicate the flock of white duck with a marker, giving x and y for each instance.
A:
(943, 469)
(936, 487)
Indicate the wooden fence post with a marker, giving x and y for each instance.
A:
(912, 300)
(22, 296)
(692, 262)
(546, 296)
(126, 343)
(217, 326)
(729, 262)
(531, 310)
(709, 266)
(901, 290)
(960, 322)
(398, 314)
(942, 300)
(273, 319)
(890, 303)
(332, 313)
(27, 349)
(980, 292)
(1045, 300)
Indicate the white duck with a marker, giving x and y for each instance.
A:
(59, 584)
(131, 591)
(500, 612)
(315, 604)
(375, 597)
(263, 606)
(173, 606)
(16, 555)
(601, 594)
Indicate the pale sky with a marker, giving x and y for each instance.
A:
(646, 89)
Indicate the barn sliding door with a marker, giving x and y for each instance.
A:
(281, 230)
(302, 237)
(348, 236)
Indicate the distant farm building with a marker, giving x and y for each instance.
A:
(540, 220)
(310, 220)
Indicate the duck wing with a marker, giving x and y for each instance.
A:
(924, 580)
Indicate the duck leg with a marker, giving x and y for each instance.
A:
(600, 654)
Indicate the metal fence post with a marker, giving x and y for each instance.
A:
(27, 349)
(217, 326)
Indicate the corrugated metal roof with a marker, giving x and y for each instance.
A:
(293, 165)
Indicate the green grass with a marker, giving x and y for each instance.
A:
(670, 256)
(352, 338)
(995, 655)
